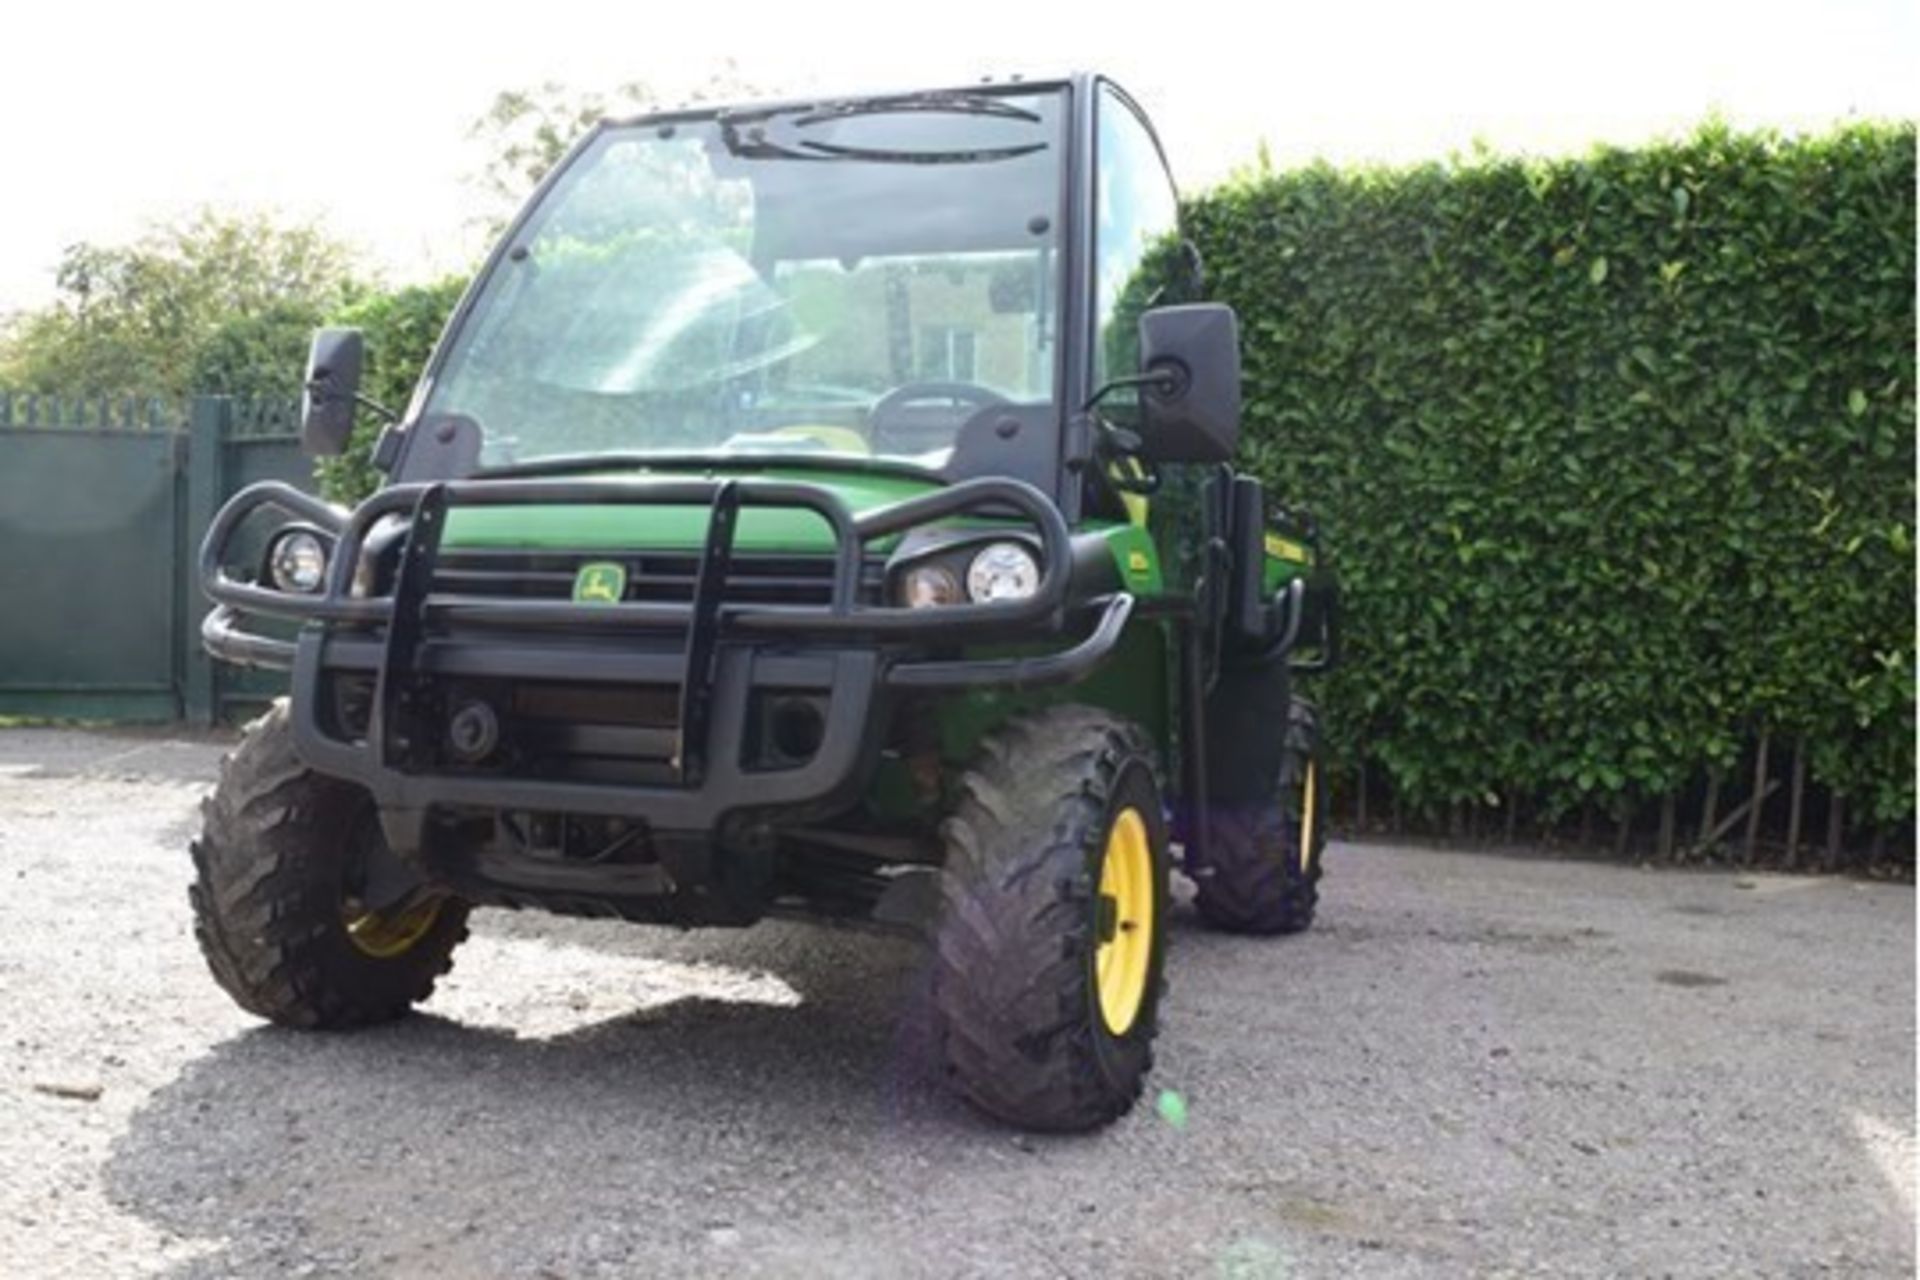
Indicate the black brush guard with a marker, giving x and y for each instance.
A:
(717, 653)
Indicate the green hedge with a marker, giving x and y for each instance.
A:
(1616, 455)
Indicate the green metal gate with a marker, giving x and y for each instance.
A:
(102, 506)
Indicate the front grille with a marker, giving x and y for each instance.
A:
(659, 577)
(615, 733)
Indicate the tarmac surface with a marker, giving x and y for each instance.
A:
(1473, 1065)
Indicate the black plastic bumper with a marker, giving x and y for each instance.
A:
(716, 654)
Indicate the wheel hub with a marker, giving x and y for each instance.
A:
(386, 934)
(1124, 955)
(384, 905)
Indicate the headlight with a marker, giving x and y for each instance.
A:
(926, 585)
(297, 561)
(1003, 571)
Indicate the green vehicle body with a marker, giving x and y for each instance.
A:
(1133, 682)
(647, 624)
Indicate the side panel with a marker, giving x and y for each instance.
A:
(1132, 683)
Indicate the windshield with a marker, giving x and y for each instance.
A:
(862, 279)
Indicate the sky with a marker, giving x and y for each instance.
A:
(357, 114)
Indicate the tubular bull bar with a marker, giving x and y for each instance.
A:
(716, 652)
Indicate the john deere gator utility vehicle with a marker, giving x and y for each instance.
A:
(819, 508)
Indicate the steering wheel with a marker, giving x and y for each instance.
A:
(894, 412)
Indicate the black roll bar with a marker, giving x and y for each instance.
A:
(843, 615)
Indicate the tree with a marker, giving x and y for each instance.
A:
(184, 302)
(525, 131)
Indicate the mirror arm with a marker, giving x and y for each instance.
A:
(375, 407)
(1163, 380)
(322, 388)
(1120, 441)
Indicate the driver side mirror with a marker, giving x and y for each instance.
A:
(332, 390)
(1190, 397)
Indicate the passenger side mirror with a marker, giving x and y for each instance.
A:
(332, 390)
(1190, 393)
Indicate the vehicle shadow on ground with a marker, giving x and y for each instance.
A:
(434, 1144)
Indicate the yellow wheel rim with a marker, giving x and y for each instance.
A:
(384, 936)
(1306, 819)
(1124, 955)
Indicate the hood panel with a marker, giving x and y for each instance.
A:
(594, 527)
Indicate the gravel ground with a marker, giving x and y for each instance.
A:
(1476, 1065)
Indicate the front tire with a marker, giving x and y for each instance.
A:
(1052, 938)
(280, 857)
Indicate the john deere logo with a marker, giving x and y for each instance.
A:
(601, 582)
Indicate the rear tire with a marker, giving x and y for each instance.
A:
(1265, 863)
(275, 866)
(1052, 938)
